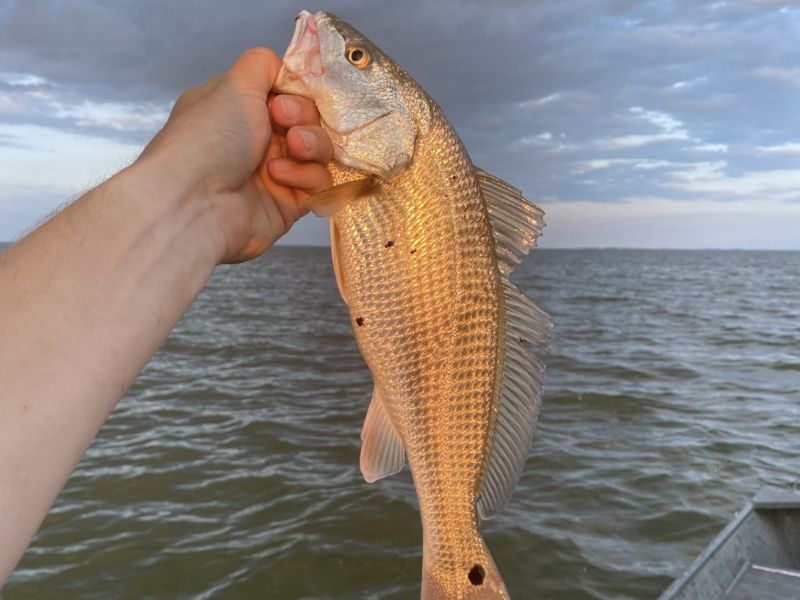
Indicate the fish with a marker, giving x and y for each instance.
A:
(423, 243)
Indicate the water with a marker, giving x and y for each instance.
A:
(230, 469)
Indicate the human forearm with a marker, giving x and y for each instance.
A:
(84, 302)
(87, 298)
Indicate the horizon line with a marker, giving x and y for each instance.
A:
(656, 248)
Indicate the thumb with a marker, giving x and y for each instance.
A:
(256, 69)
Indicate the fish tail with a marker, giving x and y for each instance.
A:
(480, 580)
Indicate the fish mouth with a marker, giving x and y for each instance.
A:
(303, 58)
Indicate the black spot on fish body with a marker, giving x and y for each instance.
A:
(413, 251)
(389, 244)
(360, 321)
(476, 575)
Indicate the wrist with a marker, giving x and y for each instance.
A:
(176, 207)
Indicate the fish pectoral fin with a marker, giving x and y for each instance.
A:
(382, 451)
(328, 202)
(336, 258)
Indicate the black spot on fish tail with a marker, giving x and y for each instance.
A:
(389, 244)
(476, 575)
(360, 321)
(413, 251)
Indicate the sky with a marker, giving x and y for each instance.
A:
(653, 123)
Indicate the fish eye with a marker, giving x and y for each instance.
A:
(358, 56)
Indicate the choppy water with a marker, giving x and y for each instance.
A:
(230, 469)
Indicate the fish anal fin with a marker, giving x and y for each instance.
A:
(330, 201)
(382, 451)
(526, 328)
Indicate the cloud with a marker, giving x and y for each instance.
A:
(540, 138)
(668, 129)
(785, 148)
(711, 181)
(22, 80)
(699, 80)
(28, 98)
(587, 101)
(786, 75)
(632, 163)
(711, 148)
(539, 102)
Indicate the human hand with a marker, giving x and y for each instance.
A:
(251, 174)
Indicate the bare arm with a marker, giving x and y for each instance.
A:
(87, 298)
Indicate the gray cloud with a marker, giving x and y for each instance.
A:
(589, 100)
(11, 141)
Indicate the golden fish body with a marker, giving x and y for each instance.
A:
(423, 289)
(422, 256)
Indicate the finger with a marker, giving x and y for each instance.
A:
(288, 110)
(256, 69)
(309, 142)
(308, 176)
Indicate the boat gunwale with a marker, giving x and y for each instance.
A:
(768, 499)
(708, 553)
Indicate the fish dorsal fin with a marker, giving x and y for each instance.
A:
(516, 224)
(336, 258)
(382, 451)
(328, 202)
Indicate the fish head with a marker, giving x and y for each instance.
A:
(361, 94)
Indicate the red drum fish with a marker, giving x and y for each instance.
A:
(423, 243)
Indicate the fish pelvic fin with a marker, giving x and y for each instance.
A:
(478, 579)
(382, 450)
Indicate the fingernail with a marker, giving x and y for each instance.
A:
(291, 109)
(308, 139)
